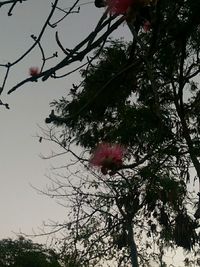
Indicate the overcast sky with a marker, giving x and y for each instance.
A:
(21, 207)
(20, 165)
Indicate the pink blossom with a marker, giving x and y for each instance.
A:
(119, 6)
(34, 71)
(146, 26)
(108, 157)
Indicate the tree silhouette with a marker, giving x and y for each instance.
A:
(23, 252)
(150, 186)
(142, 96)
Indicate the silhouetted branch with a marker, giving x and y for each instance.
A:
(66, 13)
(13, 3)
(75, 55)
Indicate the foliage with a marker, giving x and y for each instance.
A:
(23, 252)
(143, 95)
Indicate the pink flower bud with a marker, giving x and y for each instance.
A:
(34, 71)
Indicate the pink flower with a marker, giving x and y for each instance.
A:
(146, 26)
(108, 157)
(34, 71)
(119, 6)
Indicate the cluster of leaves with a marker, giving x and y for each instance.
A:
(23, 252)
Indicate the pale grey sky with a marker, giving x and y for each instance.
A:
(20, 165)
(21, 207)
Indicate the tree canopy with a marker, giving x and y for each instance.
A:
(142, 95)
(23, 252)
(135, 115)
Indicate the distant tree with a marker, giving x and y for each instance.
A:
(24, 253)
